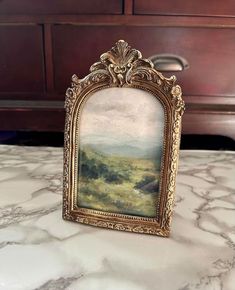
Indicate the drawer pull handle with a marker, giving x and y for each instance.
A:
(169, 62)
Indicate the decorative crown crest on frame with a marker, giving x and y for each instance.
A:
(121, 66)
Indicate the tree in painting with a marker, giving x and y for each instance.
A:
(121, 140)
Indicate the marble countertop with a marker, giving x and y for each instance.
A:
(39, 250)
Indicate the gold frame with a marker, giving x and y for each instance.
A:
(123, 66)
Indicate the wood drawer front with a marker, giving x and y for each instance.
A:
(185, 7)
(21, 59)
(61, 7)
(210, 53)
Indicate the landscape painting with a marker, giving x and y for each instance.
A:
(121, 133)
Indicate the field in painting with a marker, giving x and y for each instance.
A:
(127, 185)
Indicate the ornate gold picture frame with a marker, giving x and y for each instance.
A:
(122, 136)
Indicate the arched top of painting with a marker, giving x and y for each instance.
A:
(132, 118)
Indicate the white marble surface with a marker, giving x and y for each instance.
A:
(38, 250)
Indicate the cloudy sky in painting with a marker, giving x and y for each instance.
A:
(122, 115)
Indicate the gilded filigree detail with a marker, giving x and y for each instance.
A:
(126, 65)
(118, 226)
(177, 99)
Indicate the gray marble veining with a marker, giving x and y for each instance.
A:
(38, 250)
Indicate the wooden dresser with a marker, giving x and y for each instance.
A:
(42, 43)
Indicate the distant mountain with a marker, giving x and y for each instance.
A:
(99, 139)
(127, 150)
